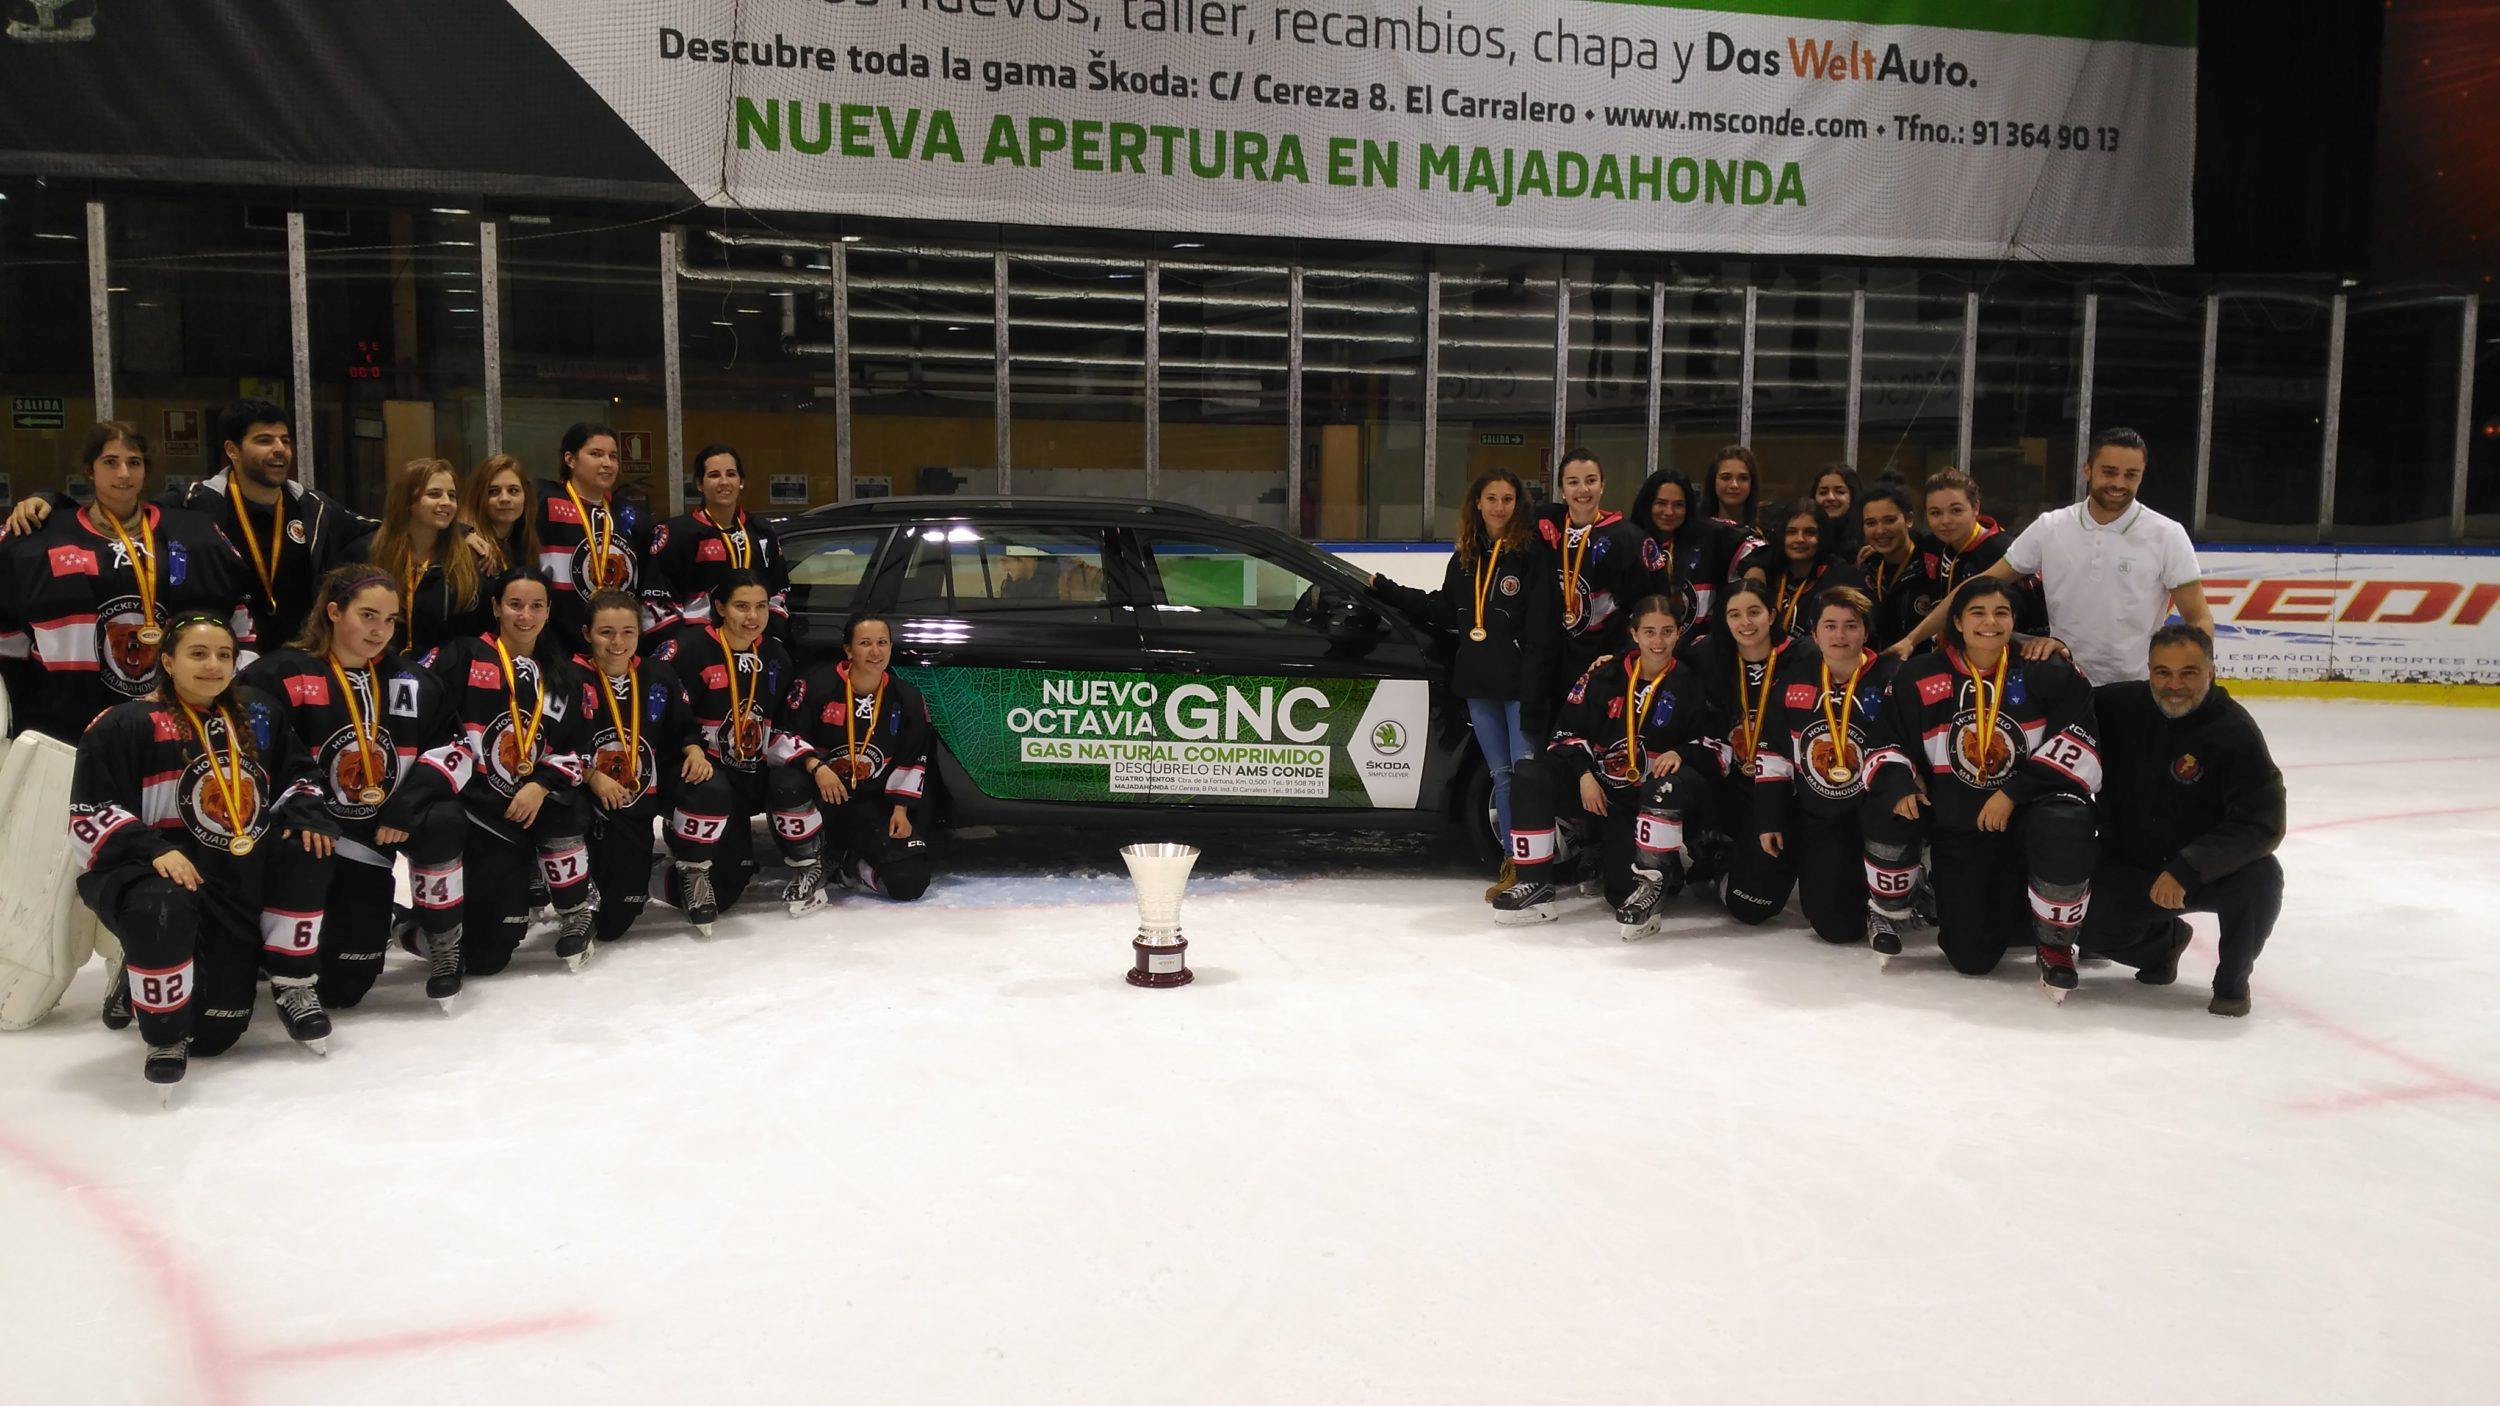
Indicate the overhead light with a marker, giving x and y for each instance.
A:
(852, 238)
(448, 210)
(454, 309)
(1189, 245)
(954, 327)
(720, 322)
(48, 234)
(457, 243)
(116, 290)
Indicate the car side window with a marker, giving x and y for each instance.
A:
(826, 568)
(968, 567)
(1227, 579)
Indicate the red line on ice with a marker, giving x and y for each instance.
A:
(221, 1368)
(2443, 1081)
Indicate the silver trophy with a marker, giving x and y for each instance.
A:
(1161, 874)
(51, 21)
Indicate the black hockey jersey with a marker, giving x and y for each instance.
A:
(411, 749)
(1600, 571)
(300, 538)
(2037, 739)
(143, 785)
(483, 705)
(751, 739)
(1798, 759)
(1793, 592)
(691, 554)
(70, 606)
(1738, 691)
(646, 706)
(606, 550)
(1595, 734)
(891, 726)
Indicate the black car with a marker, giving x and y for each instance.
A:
(1083, 657)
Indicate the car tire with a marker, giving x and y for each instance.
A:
(1472, 824)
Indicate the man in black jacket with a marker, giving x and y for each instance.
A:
(2191, 812)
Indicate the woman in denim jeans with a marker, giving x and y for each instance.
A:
(1499, 596)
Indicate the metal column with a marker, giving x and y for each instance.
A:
(838, 255)
(672, 370)
(99, 312)
(2334, 416)
(1562, 382)
(1432, 402)
(2205, 413)
(1154, 378)
(1857, 372)
(490, 326)
(299, 335)
(2083, 387)
(1970, 378)
(1744, 380)
(998, 366)
(1657, 356)
(1293, 407)
(2465, 416)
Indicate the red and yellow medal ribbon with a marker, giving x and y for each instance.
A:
(1839, 722)
(1754, 710)
(1988, 703)
(525, 741)
(142, 567)
(1484, 588)
(1571, 561)
(858, 764)
(230, 780)
(356, 720)
(265, 564)
(1636, 707)
(598, 534)
(729, 728)
(1976, 532)
(631, 739)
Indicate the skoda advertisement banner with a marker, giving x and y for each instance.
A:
(1220, 739)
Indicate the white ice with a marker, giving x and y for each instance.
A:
(1382, 1151)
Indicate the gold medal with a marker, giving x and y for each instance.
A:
(1839, 775)
(372, 796)
(857, 759)
(240, 846)
(1837, 723)
(233, 786)
(1484, 588)
(151, 636)
(1476, 634)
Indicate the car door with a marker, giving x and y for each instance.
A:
(1023, 635)
(1284, 686)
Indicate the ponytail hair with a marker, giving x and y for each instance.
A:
(184, 624)
(343, 584)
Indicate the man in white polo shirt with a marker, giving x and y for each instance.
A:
(2112, 568)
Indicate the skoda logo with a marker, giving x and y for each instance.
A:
(1388, 739)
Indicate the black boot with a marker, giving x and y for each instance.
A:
(2166, 971)
(116, 1012)
(299, 1010)
(443, 975)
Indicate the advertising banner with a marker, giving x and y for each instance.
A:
(1219, 739)
(2283, 612)
(2063, 129)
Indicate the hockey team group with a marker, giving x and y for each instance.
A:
(1887, 706)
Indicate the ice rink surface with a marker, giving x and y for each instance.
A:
(1381, 1151)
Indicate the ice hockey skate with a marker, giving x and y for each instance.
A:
(575, 942)
(1637, 916)
(694, 895)
(2057, 971)
(116, 1012)
(1883, 938)
(166, 1064)
(1525, 902)
(299, 1010)
(443, 971)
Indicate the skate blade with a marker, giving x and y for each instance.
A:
(580, 959)
(1524, 917)
(1634, 932)
(703, 932)
(165, 1096)
(444, 1003)
(2057, 994)
(1884, 959)
(800, 908)
(319, 1045)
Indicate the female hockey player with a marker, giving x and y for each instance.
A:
(1697, 552)
(645, 753)
(1835, 495)
(418, 546)
(388, 767)
(1735, 664)
(194, 819)
(86, 597)
(865, 769)
(1800, 569)
(1992, 757)
(1812, 778)
(735, 679)
(692, 552)
(1633, 733)
(522, 712)
(1601, 562)
(1731, 494)
(499, 514)
(1498, 595)
(589, 540)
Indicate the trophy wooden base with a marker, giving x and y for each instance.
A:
(1161, 963)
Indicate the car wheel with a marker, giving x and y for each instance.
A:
(1474, 821)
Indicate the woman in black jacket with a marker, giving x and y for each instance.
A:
(1500, 595)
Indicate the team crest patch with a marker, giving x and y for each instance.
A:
(1934, 689)
(1510, 585)
(1651, 556)
(295, 532)
(2186, 769)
